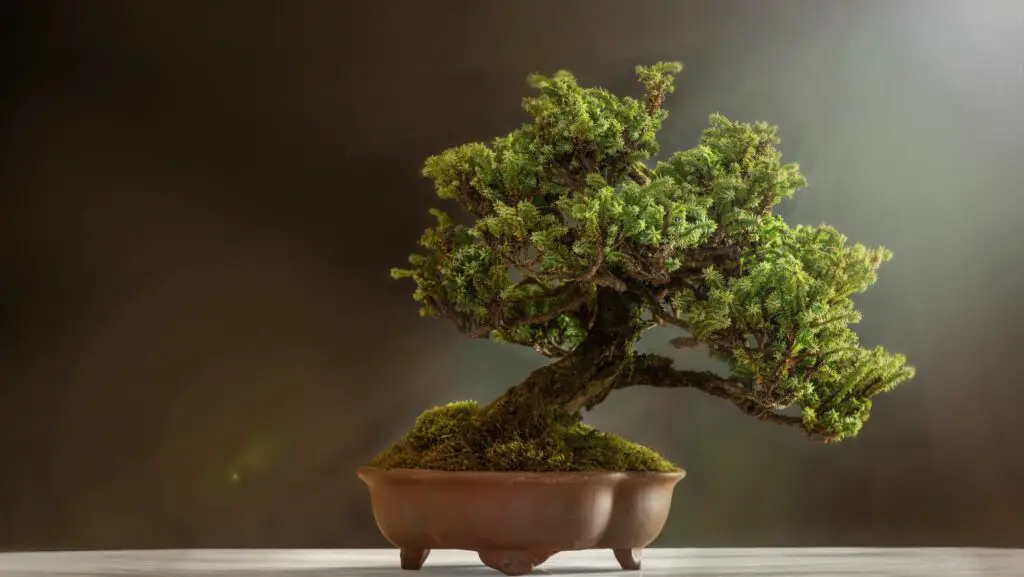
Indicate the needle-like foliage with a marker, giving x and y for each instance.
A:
(573, 220)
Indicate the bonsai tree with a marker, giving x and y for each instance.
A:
(576, 242)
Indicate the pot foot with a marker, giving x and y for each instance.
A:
(514, 562)
(629, 559)
(412, 559)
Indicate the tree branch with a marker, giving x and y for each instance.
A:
(577, 297)
(684, 342)
(657, 371)
(604, 279)
(663, 316)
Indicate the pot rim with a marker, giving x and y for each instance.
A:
(368, 472)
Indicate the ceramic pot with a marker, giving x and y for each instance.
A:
(515, 521)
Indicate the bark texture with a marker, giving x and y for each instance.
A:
(559, 391)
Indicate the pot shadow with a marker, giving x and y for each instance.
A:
(426, 571)
(482, 570)
(459, 571)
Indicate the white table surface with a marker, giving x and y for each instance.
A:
(657, 562)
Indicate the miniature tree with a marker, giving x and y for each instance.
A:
(579, 243)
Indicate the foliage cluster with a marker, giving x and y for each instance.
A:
(573, 203)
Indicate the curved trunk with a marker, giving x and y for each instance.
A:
(580, 380)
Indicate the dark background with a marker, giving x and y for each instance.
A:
(201, 201)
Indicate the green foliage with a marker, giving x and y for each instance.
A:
(782, 325)
(448, 438)
(737, 169)
(569, 203)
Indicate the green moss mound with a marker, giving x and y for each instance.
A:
(449, 438)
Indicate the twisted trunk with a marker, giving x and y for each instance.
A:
(559, 391)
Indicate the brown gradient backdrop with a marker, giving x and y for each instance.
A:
(201, 201)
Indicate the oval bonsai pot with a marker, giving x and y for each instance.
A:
(515, 521)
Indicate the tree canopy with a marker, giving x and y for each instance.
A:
(573, 202)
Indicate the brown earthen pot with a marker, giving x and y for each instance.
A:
(515, 521)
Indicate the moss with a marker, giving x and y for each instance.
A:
(451, 438)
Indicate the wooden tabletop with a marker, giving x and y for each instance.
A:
(657, 562)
